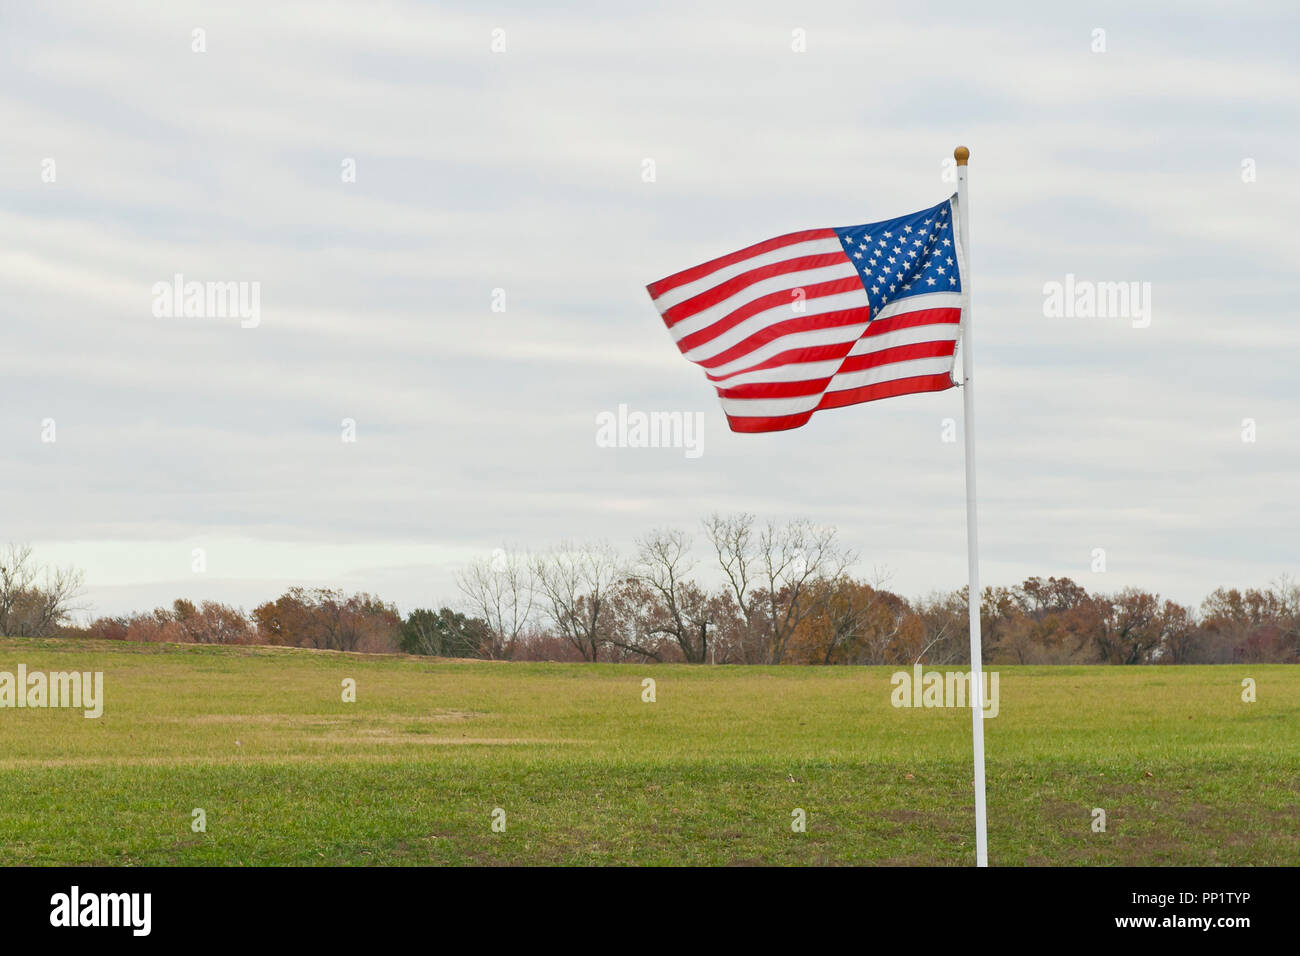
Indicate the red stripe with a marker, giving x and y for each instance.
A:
(812, 353)
(853, 396)
(770, 301)
(656, 289)
(723, 292)
(900, 386)
(853, 363)
(805, 323)
(909, 320)
(778, 423)
(812, 386)
(899, 353)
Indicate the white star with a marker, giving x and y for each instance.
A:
(952, 280)
(947, 243)
(907, 229)
(929, 282)
(940, 270)
(889, 235)
(875, 288)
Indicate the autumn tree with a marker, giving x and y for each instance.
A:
(1181, 637)
(576, 585)
(1132, 624)
(938, 632)
(771, 573)
(210, 623)
(329, 619)
(1041, 621)
(1252, 625)
(664, 603)
(853, 622)
(35, 599)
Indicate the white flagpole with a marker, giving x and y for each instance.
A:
(962, 154)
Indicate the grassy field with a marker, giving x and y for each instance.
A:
(587, 773)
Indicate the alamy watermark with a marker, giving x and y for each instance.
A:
(950, 689)
(633, 429)
(75, 908)
(179, 299)
(1085, 299)
(75, 689)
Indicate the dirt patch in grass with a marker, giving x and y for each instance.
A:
(382, 735)
(36, 763)
(904, 816)
(308, 720)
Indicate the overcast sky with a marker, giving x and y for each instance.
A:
(524, 171)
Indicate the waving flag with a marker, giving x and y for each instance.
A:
(822, 318)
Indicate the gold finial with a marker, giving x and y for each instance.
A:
(961, 154)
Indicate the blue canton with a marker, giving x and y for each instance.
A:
(903, 257)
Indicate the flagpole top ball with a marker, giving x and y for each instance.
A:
(961, 154)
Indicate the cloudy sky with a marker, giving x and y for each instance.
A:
(129, 158)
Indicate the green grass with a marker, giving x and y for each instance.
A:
(589, 774)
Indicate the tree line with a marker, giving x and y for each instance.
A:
(782, 594)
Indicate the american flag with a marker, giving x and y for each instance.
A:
(822, 318)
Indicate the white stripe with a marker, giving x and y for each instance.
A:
(856, 299)
(795, 340)
(932, 332)
(764, 407)
(812, 247)
(807, 371)
(887, 373)
(790, 372)
(782, 283)
(803, 371)
(918, 303)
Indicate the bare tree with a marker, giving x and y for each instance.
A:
(678, 609)
(772, 573)
(36, 600)
(17, 576)
(500, 590)
(577, 584)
